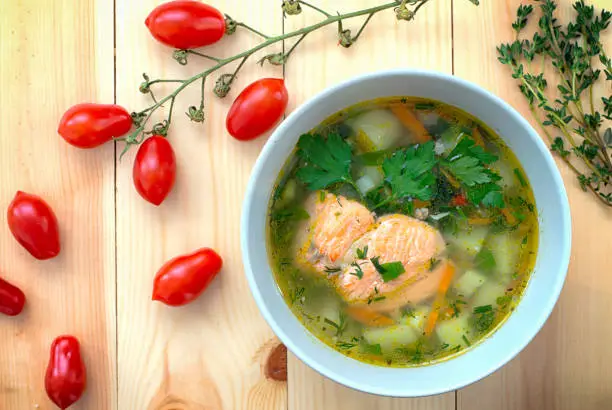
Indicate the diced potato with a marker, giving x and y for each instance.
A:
(417, 318)
(372, 177)
(452, 331)
(470, 239)
(376, 130)
(488, 293)
(506, 249)
(469, 282)
(391, 337)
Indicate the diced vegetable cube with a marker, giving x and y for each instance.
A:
(506, 250)
(471, 239)
(376, 130)
(417, 317)
(469, 282)
(488, 293)
(372, 177)
(452, 331)
(392, 337)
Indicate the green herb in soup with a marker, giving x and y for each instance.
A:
(402, 231)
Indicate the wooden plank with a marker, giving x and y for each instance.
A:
(53, 55)
(319, 63)
(566, 366)
(210, 354)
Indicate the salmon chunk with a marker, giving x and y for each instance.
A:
(335, 223)
(396, 238)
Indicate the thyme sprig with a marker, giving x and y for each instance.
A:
(224, 81)
(577, 55)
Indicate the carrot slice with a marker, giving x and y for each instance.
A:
(411, 122)
(511, 219)
(477, 137)
(368, 317)
(479, 221)
(447, 276)
(421, 204)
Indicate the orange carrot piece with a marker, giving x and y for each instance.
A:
(447, 277)
(477, 137)
(511, 219)
(369, 317)
(479, 221)
(421, 204)
(411, 122)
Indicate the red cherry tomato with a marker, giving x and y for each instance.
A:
(186, 24)
(34, 225)
(459, 200)
(257, 109)
(154, 169)
(12, 299)
(184, 278)
(90, 125)
(66, 377)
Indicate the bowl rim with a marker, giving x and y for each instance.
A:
(503, 359)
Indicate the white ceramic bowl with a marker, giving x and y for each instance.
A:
(544, 286)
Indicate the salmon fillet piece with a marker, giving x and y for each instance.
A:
(334, 224)
(396, 238)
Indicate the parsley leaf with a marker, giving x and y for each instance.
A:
(388, 271)
(327, 161)
(469, 171)
(409, 172)
(467, 148)
(467, 163)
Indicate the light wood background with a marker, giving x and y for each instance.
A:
(211, 354)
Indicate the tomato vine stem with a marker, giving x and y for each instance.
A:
(224, 82)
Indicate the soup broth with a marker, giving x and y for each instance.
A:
(402, 231)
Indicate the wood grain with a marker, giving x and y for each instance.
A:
(567, 365)
(210, 354)
(319, 63)
(53, 55)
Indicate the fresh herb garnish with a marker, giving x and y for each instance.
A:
(322, 195)
(327, 161)
(345, 345)
(388, 271)
(520, 177)
(296, 295)
(290, 214)
(571, 118)
(424, 106)
(358, 271)
(362, 253)
(483, 309)
(485, 260)
(409, 173)
(340, 327)
(374, 349)
(332, 269)
(504, 301)
(433, 262)
(379, 298)
(484, 316)
(465, 339)
(467, 163)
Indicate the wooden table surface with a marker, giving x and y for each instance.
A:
(212, 354)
